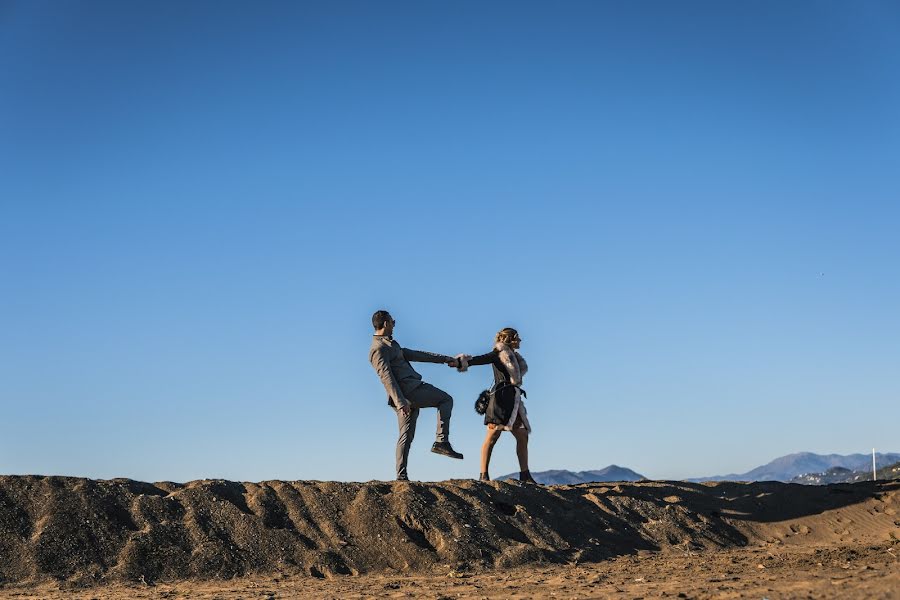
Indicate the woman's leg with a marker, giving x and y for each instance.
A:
(521, 435)
(493, 434)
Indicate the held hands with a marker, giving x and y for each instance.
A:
(461, 362)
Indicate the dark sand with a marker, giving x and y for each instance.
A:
(79, 538)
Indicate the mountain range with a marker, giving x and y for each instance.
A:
(563, 477)
(842, 475)
(786, 468)
(801, 467)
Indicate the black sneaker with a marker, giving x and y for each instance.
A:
(445, 449)
(402, 477)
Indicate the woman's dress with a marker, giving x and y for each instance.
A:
(507, 404)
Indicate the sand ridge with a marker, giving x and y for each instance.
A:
(83, 532)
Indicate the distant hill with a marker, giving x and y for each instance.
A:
(786, 468)
(563, 477)
(842, 475)
(889, 472)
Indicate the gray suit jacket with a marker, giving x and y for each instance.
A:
(391, 362)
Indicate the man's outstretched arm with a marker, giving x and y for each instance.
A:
(383, 368)
(430, 357)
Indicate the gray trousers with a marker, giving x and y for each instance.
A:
(424, 396)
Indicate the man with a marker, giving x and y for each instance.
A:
(406, 391)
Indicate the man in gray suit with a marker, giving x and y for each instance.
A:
(406, 391)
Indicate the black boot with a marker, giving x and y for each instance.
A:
(525, 477)
(445, 449)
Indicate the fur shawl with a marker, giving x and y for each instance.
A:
(513, 361)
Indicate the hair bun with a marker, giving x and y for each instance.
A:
(505, 335)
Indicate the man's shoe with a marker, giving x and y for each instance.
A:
(445, 449)
(402, 478)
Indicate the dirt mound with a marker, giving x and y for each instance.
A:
(83, 531)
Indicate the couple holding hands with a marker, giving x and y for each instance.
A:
(503, 406)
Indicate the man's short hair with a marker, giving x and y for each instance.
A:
(380, 318)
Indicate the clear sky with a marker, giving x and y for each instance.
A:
(690, 210)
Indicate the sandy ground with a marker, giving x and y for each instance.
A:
(766, 571)
(85, 539)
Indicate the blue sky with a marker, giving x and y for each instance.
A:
(689, 210)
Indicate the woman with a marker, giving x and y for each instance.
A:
(506, 408)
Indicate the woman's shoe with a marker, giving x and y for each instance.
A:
(484, 477)
(525, 477)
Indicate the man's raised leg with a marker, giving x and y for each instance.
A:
(428, 396)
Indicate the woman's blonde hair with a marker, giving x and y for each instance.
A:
(506, 335)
